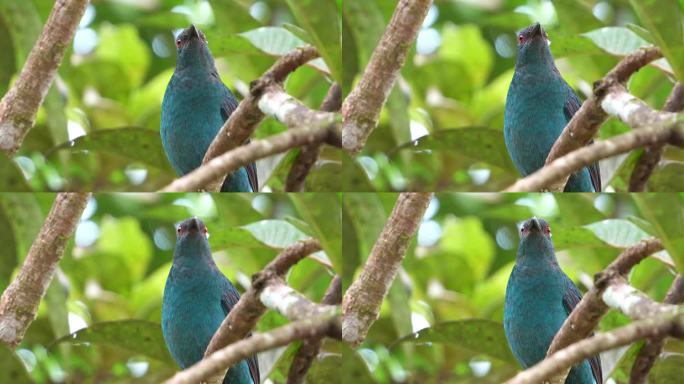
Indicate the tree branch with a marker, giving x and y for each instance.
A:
(20, 104)
(244, 120)
(310, 347)
(19, 303)
(309, 154)
(285, 300)
(242, 318)
(575, 353)
(228, 356)
(652, 154)
(317, 127)
(650, 127)
(654, 346)
(361, 303)
(361, 108)
(586, 315)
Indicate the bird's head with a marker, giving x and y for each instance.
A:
(192, 49)
(535, 237)
(192, 227)
(191, 238)
(533, 46)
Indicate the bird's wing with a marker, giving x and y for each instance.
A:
(229, 298)
(572, 105)
(228, 106)
(571, 298)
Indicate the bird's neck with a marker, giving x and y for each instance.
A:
(536, 255)
(193, 254)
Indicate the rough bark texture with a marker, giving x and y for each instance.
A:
(310, 347)
(244, 120)
(242, 349)
(654, 346)
(650, 128)
(19, 302)
(285, 300)
(247, 311)
(19, 106)
(361, 303)
(361, 108)
(309, 154)
(567, 357)
(652, 154)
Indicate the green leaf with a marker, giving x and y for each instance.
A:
(136, 336)
(122, 44)
(273, 40)
(663, 19)
(483, 144)
(621, 41)
(132, 143)
(354, 177)
(668, 369)
(321, 19)
(8, 251)
(464, 44)
(476, 335)
(665, 212)
(667, 177)
(275, 233)
(323, 213)
(13, 370)
(11, 177)
(368, 217)
(618, 233)
(466, 239)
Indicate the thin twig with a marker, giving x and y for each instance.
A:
(20, 104)
(19, 302)
(361, 108)
(361, 303)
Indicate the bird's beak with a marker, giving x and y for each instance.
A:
(536, 31)
(535, 224)
(193, 225)
(194, 32)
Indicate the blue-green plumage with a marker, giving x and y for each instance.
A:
(539, 297)
(197, 297)
(195, 106)
(539, 105)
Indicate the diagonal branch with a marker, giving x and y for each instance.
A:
(654, 346)
(652, 154)
(227, 356)
(650, 127)
(361, 303)
(310, 347)
(244, 120)
(242, 318)
(308, 155)
(20, 104)
(361, 108)
(575, 353)
(19, 302)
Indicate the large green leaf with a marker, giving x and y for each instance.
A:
(323, 213)
(669, 369)
(667, 177)
(275, 233)
(321, 19)
(617, 232)
(665, 212)
(8, 251)
(476, 335)
(13, 370)
(136, 336)
(663, 19)
(483, 144)
(133, 143)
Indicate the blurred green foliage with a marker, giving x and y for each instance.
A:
(442, 319)
(442, 126)
(108, 286)
(113, 77)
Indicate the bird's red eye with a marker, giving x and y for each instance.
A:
(547, 230)
(521, 38)
(178, 43)
(205, 231)
(178, 230)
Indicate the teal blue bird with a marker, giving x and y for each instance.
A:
(539, 297)
(195, 106)
(539, 105)
(197, 297)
